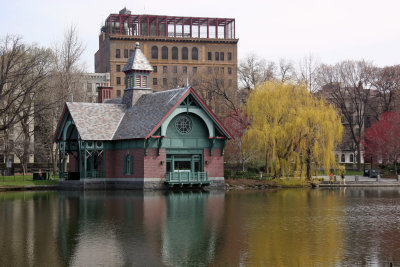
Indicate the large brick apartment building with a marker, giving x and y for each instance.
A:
(181, 50)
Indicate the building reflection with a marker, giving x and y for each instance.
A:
(137, 228)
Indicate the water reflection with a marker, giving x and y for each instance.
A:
(295, 227)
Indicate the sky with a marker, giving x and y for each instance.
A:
(329, 30)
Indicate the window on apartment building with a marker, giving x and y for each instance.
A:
(229, 56)
(117, 53)
(155, 69)
(118, 93)
(126, 53)
(185, 53)
(343, 158)
(164, 52)
(1, 158)
(209, 70)
(130, 52)
(351, 158)
(195, 53)
(216, 56)
(175, 69)
(221, 56)
(194, 70)
(222, 70)
(184, 69)
(155, 81)
(209, 56)
(164, 82)
(89, 87)
(229, 70)
(154, 52)
(165, 69)
(174, 82)
(118, 68)
(174, 52)
(118, 80)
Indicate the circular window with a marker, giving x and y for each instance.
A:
(183, 124)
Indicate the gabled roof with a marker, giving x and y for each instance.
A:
(101, 121)
(137, 61)
(95, 121)
(148, 111)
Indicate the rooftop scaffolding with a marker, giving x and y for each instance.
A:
(169, 26)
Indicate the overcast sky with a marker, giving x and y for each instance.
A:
(331, 30)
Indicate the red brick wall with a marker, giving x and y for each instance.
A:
(115, 163)
(143, 166)
(152, 164)
(215, 166)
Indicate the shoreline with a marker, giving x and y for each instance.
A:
(247, 184)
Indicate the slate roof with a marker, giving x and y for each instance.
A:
(148, 111)
(137, 61)
(95, 121)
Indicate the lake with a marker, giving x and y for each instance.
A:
(287, 227)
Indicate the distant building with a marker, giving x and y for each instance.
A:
(142, 140)
(91, 82)
(181, 50)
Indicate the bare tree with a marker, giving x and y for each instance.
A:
(286, 71)
(307, 72)
(386, 82)
(254, 70)
(64, 84)
(23, 69)
(347, 85)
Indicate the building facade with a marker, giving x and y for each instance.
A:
(90, 84)
(182, 50)
(142, 140)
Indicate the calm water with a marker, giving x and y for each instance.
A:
(296, 227)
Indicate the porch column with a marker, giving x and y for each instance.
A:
(104, 164)
(85, 164)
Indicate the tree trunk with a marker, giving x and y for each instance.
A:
(308, 164)
(358, 157)
(395, 168)
(266, 162)
(25, 155)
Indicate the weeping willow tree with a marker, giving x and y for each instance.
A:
(295, 132)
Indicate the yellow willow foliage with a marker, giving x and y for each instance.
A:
(292, 129)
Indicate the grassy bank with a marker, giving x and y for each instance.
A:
(20, 180)
(254, 180)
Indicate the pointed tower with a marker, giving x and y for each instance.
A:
(137, 77)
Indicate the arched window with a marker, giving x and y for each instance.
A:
(174, 52)
(154, 52)
(164, 51)
(195, 53)
(185, 53)
(351, 158)
(343, 159)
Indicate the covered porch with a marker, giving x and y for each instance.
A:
(185, 167)
(80, 159)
